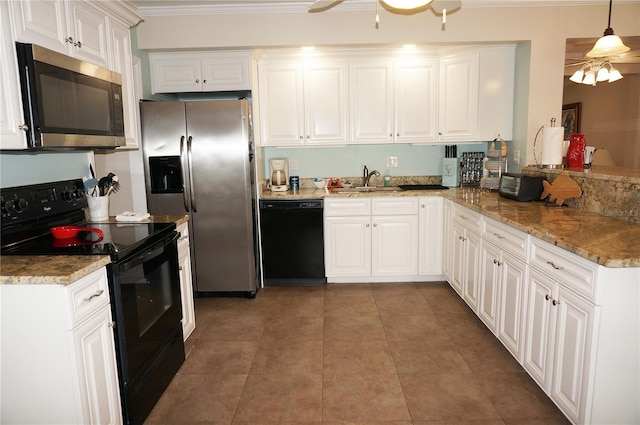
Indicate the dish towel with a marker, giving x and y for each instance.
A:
(132, 216)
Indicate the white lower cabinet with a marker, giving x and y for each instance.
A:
(58, 361)
(186, 281)
(371, 237)
(558, 350)
(465, 245)
(430, 240)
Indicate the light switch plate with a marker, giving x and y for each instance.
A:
(516, 157)
(392, 161)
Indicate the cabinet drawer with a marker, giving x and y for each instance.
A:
(505, 237)
(346, 207)
(570, 270)
(87, 295)
(468, 218)
(400, 205)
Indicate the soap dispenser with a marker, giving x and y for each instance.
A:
(387, 178)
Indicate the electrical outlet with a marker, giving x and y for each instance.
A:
(293, 164)
(392, 161)
(516, 157)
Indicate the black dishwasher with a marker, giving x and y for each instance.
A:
(292, 242)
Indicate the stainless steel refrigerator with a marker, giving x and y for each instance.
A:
(198, 160)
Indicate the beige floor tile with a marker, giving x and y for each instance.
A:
(488, 355)
(301, 291)
(222, 357)
(288, 357)
(349, 305)
(464, 329)
(210, 399)
(233, 328)
(363, 398)
(453, 396)
(358, 357)
(402, 305)
(368, 423)
(297, 328)
(342, 289)
(284, 306)
(353, 328)
(561, 420)
(447, 303)
(411, 328)
(260, 305)
(281, 398)
(395, 289)
(423, 356)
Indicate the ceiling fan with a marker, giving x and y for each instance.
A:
(439, 7)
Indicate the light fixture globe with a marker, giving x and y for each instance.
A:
(608, 45)
(577, 76)
(406, 4)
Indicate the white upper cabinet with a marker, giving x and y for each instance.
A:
(458, 98)
(69, 27)
(495, 91)
(184, 72)
(11, 118)
(303, 103)
(393, 101)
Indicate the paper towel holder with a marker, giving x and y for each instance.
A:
(552, 147)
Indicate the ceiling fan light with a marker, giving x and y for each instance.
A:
(590, 78)
(603, 74)
(577, 76)
(608, 45)
(406, 4)
(614, 75)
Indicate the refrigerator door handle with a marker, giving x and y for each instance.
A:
(189, 161)
(184, 189)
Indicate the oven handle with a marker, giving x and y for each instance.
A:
(149, 253)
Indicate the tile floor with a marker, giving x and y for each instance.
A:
(360, 354)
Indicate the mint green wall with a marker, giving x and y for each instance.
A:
(348, 161)
(19, 169)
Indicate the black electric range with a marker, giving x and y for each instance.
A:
(144, 282)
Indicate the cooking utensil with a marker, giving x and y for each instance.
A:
(64, 232)
(110, 180)
(74, 241)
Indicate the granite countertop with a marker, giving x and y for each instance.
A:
(608, 241)
(61, 269)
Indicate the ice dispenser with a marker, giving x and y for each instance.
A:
(166, 174)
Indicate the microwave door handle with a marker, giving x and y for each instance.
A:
(190, 162)
(184, 189)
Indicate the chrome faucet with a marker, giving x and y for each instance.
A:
(369, 175)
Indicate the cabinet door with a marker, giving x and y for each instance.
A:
(96, 363)
(495, 91)
(371, 101)
(458, 98)
(186, 291)
(458, 260)
(416, 101)
(121, 62)
(325, 95)
(42, 22)
(88, 26)
(471, 282)
(431, 230)
(175, 73)
(11, 118)
(574, 330)
(489, 286)
(539, 329)
(447, 242)
(347, 246)
(394, 245)
(226, 72)
(511, 315)
(282, 104)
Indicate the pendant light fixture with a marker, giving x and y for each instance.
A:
(406, 4)
(609, 44)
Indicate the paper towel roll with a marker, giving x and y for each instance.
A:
(552, 141)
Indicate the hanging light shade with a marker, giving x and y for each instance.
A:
(577, 76)
(614, 75)
(609, 44)
(406, 4)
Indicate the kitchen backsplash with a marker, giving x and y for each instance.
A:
(19, 169)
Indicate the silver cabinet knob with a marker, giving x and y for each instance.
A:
(23, 127)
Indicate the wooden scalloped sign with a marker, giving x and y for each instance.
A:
(562, 188)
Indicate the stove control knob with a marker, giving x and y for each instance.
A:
(20, 205)
(7, 206)
(66, 195)
(3, 207)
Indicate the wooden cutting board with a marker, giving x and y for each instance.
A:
(562, 188)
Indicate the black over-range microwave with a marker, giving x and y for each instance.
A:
(69, 103)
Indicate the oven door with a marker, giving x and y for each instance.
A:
(148, 304)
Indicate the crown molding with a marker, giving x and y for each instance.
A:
(225, 7)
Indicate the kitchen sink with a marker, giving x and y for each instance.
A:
(360, 189)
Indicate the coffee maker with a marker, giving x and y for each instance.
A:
(279, 172)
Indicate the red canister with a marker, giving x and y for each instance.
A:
(575, 153)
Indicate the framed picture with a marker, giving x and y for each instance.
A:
(571, 119)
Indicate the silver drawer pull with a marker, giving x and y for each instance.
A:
(555, 302)
(554, 266)
(498, 235)
(97, 294)
(547, 297)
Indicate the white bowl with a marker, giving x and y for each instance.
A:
(319, 185)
